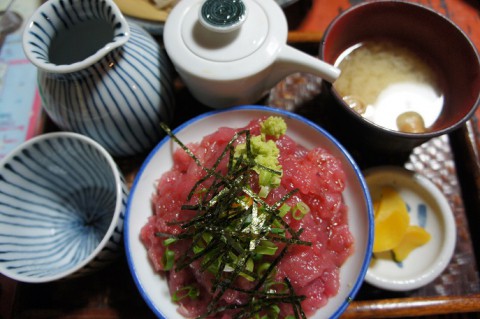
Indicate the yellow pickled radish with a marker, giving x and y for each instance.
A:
(391, 220)
(415, 237)
(376, 205)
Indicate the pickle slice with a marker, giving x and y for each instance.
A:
(391, 220)
(415, 237)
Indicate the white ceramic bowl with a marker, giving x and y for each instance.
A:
(429, 209)
(153, 287)
(62, 204)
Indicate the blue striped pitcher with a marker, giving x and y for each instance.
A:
(99, 75)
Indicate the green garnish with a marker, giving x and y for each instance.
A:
(265, 156)
(235, 233)
(168, 259)
(169, 241)
(274, 126)
(301, 209)
(191, 292)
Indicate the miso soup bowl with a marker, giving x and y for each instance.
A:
(62, 204)
(438, 40)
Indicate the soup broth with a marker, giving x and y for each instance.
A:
(390, 85)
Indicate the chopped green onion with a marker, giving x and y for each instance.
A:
(169, 241)
(263, 268)
(248, 270)
(274, 312)
(198, 248)
(266, 248)
(191, 292)
(284, 209)
(207, 237)
(277, 231)
(300, 210)
(168, 259)
(264, 191)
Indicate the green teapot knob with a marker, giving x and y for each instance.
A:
(223, 15)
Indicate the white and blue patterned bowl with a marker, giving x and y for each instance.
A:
(428, 208)
(154, 288)
(62, 205)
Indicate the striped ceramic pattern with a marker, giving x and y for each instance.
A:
(58, 202)
(118, 107)
(118, 100)
(64, 14)
(113, 247)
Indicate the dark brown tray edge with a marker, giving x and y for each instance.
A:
(464, 143)
(413, 307)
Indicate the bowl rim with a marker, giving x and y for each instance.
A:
(369, 245)
(440, 263)
(113, 222)
(373, 125)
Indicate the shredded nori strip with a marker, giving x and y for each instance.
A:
(235, 232)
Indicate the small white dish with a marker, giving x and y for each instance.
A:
(427, 208)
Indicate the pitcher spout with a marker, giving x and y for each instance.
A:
(67, 36)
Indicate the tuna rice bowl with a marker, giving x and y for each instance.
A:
(248, 223)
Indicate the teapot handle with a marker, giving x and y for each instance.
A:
(303, 62)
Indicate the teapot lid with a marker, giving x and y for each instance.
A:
(210, 33)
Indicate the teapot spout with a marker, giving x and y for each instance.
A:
(291, 60)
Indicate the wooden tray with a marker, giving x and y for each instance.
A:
(452, 162)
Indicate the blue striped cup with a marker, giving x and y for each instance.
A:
(62, 206)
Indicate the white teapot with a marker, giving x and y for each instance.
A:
(231, 52)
